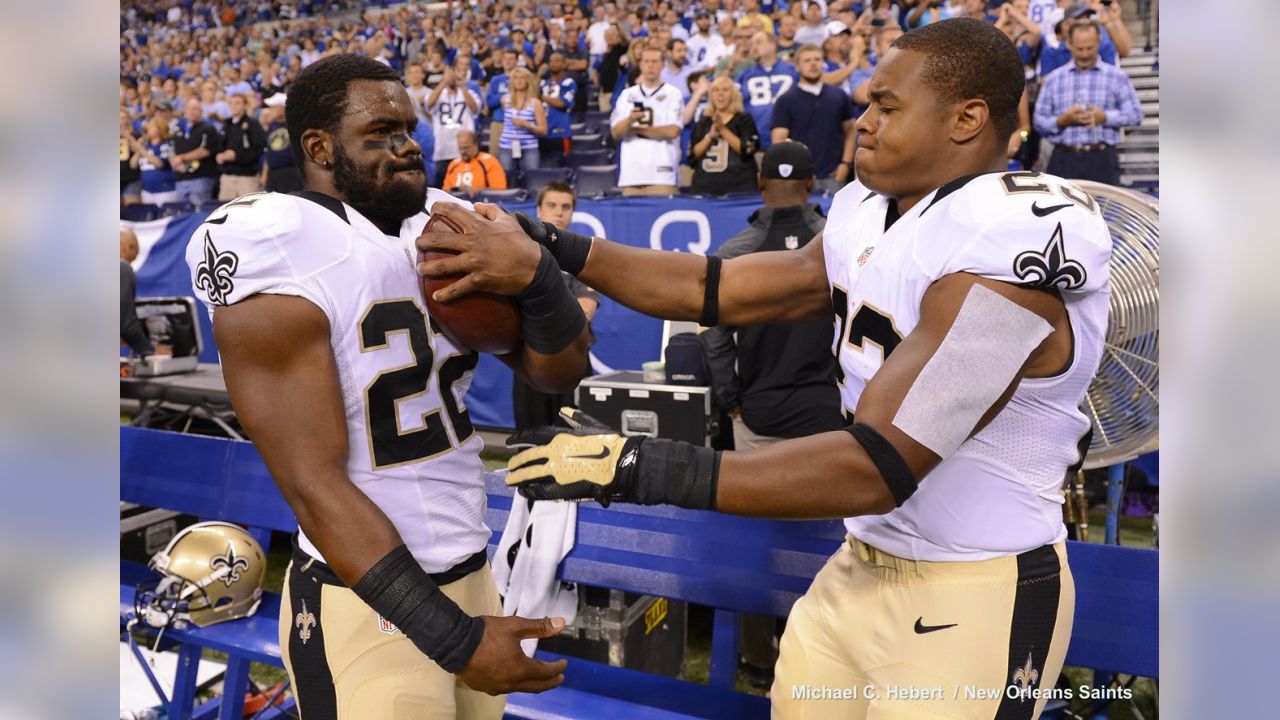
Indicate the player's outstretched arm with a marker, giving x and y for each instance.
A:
(756, 288)
(496, 256)
(283, 382)
(976, 340)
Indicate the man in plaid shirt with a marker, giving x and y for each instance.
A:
(1081, 109)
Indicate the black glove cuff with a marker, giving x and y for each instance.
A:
(668, 472)
(398, 589)
(551, 319)
(568, 248)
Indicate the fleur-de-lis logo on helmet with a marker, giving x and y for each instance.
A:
(1026, 676)
(213, 274)
(1050, 268)
(234, 564)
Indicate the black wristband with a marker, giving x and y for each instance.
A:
(711, 293)
(398, 589)
(568, 248)
(668, 472)
(550, 319)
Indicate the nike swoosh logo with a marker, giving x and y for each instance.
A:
(921, 628)
(604, 453)
(1042, 211)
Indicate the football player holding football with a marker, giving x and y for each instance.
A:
(355, 400)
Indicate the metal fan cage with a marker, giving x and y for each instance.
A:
(1124, 400)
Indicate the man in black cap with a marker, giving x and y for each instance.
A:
(776, 380)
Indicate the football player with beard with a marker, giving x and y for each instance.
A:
(354, 399)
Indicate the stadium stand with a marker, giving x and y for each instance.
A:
(171, 52)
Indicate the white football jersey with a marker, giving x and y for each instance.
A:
(411, 446)
(649, 161)
(999, 494)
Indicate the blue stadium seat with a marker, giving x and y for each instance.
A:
(578, 158)
(597, 180)
(497, 196)
(139, 212)
(588, 141)
(594, 126)
(176, 208)
(537, 177)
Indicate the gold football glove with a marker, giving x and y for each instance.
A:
(572, 467)
(591, 462)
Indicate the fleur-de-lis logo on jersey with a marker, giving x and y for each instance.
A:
(232, 562)
(1026, 676)
(1050, 268)
(304, 621)
(213, 274)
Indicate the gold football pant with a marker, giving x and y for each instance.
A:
(347, 663)
(877, 636)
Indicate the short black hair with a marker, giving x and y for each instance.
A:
(556, 186)
(969, 58)
(318, 98)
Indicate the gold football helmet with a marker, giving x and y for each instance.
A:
(211, 572)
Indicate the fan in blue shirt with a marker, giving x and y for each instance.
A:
(763, 83)
(500, 84)
(558, 91)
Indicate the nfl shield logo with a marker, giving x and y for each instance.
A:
(386, 625)
(784, 169)
(791, 241)
(865, 256)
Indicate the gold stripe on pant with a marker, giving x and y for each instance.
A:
(853, 646)
(379, 673)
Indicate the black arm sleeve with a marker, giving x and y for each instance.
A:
(131, 330)
(722, 359)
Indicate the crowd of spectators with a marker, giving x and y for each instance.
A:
(680, 94)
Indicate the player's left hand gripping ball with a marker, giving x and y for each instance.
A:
(580, 463)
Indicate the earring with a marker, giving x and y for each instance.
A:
(325, 164)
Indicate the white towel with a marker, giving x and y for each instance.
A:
(537, 537)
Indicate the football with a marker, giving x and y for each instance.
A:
(484, 322)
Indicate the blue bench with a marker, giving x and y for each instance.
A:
(732, 564)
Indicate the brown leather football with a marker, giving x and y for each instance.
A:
(484, 322)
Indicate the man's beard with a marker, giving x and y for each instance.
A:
(378, 194)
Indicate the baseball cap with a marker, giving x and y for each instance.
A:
(1079, 9)
(276, 100)
(837, 27)
(787, 160)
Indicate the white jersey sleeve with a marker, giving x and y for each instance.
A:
(1025, 229)
(256, 244)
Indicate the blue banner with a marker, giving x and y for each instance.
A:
(624, 338)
